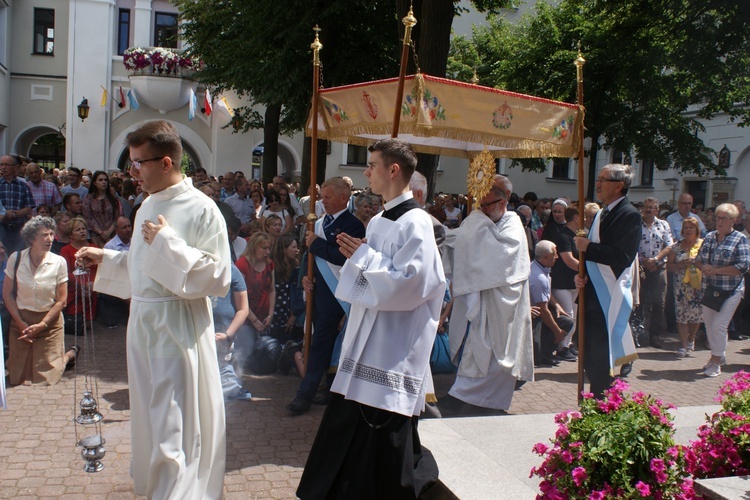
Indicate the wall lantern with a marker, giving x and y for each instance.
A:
(83, 109)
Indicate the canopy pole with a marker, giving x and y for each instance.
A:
(312, 217)
(579, 62)
(409, 22)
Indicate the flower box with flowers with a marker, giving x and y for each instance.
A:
(160, 61)
(619, 447)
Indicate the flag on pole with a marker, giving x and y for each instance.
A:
(122, 98)
(223, 102)
(133, 99)
(207, 103)
(104, 97)
(193, 105)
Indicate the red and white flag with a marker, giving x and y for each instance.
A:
(207, 103)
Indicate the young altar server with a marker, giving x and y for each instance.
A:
(180, 257)
(367, 445)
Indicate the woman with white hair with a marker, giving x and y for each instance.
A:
(35, 291)
(723, 259)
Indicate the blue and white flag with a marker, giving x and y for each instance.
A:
(615, 296)
(133, 100)
(193, 105)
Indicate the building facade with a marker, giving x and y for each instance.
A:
(55, 53)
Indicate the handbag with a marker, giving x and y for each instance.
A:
(714, 298)
(440, 357)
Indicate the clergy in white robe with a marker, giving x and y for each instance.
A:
(176, 402)
(367, 444)
(178, 257)
(490, 331)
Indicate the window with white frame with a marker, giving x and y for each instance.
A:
(3, 34)
(356, 155)
(560, 168)
(165, 30)
(44, 31)
(123, 31)
(647, 172)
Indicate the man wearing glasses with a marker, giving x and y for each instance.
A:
(178, 257)
(16, 197)
(611, 248)
(487, 261)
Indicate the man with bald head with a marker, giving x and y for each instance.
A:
(684, 207)
(487, 261)
(44, 192)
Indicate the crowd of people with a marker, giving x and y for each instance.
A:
(384, 260)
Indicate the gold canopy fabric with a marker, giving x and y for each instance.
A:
(450, 118)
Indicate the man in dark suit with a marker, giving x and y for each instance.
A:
(328, 312)
(619, 234)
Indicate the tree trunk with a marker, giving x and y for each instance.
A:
(431, 37)
(271, 144)
(593, 152)
(305, 180)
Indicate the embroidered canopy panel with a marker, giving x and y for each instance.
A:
(450, 118)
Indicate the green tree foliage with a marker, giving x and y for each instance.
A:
(653, 67)
(261, 50)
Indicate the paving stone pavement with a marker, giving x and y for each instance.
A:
(266, 447)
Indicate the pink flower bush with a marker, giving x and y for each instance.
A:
(723, 445)
(618, 447)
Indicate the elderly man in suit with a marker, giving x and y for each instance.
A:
(611, 248)
(328, 311)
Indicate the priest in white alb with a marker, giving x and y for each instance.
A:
(367, 445)
(487, 261)
(180, 257)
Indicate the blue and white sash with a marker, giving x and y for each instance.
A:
(331, 273)
(616, 299)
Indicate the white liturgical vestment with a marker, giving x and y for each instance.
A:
(488, 265)
(176, 400)
(395, 284)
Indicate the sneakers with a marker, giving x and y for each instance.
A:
(242, 396)
(722, 361)
(691, 346)
(681, 352)
(712, 370)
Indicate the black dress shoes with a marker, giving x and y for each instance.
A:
(298, 406)
(626, 369)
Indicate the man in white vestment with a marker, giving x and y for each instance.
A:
(179, 258)
(487, 262)
(367, 445)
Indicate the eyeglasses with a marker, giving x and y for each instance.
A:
(8, 164)
(489, 204)
(137, 164)
(602, 179)
(721, 218)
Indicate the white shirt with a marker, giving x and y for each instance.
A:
(36, 291)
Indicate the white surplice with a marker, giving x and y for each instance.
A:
(395, 284)
(176, 402)
(488, 265)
